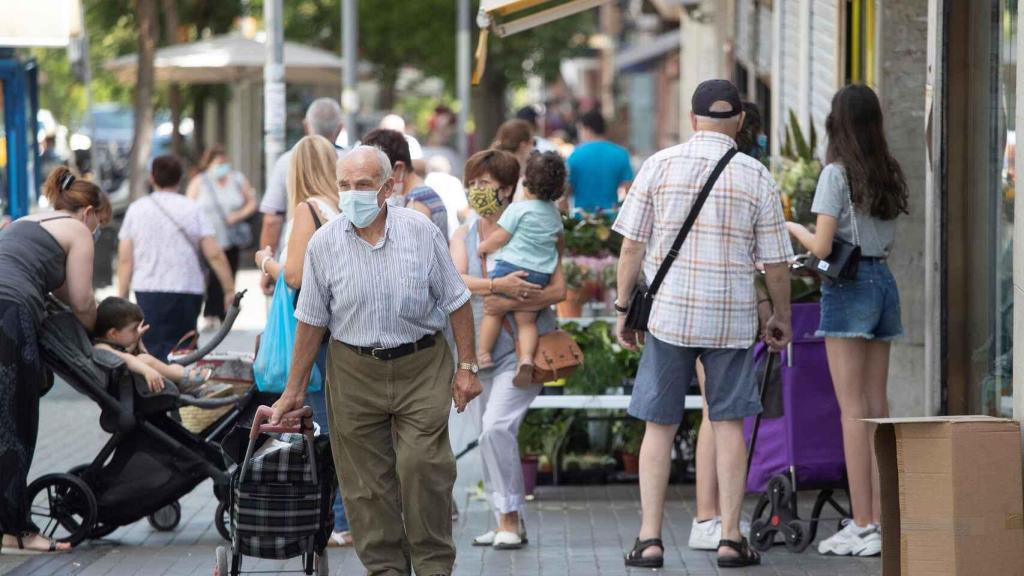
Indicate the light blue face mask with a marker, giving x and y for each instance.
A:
(360, 206)
(221, 170)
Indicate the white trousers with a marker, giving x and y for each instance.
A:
(503, 409)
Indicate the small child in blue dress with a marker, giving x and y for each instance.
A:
(526, 240)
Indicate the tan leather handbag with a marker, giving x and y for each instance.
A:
(557, 356)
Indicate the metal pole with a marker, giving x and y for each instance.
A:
(273, 86)
(462, 72)
(349, 41)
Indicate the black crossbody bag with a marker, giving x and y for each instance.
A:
(643, 296)
(844, 260)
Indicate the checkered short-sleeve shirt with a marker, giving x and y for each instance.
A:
(708, 298)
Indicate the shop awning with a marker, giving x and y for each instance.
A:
(231, 58)
(499, 16)
(640, 53)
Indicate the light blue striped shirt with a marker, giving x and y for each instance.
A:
(385, 295)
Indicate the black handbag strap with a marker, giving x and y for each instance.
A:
(688, 224)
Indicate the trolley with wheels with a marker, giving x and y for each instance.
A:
(279, 505)
(801, 449)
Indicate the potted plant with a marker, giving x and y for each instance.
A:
(800, 170)
(575, 276)
(631, 435)
(531, 446)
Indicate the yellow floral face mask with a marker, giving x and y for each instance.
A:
(484, 200)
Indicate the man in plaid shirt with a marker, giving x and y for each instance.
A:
(706, 308)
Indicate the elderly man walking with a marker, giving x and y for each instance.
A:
(706, 307)
(380, 278)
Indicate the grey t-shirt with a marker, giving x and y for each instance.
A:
(832, 198)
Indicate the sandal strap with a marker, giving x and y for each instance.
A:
(640, 545)
(742, 547)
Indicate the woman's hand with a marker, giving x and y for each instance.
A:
(153, 379)
(515, 286)
(263, 254)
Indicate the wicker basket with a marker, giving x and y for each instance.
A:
(228, 368)
(196, 420)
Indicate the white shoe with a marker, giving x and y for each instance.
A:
(486, 539)
(507, 541)
(853, 540)
(706, 535)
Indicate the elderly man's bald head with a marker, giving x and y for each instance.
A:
(363, 168)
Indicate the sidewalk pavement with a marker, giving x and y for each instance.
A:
(574, 530)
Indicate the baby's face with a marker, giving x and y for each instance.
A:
(128, 336)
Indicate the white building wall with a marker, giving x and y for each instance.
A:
(824, 81)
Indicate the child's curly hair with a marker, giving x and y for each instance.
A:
(545, 175)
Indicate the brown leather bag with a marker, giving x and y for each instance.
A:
(557, 355)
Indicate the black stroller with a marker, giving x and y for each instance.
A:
(150, 461)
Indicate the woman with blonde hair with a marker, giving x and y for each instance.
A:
(312, 202)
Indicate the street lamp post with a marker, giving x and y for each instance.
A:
(349, 41)
(462, 69)
(273, 86)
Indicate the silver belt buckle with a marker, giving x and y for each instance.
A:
(373, 353)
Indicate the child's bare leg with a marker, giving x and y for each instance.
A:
(490, 328)
(526, 327)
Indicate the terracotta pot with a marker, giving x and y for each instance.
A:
(572, 306)
(529, 464)
(631, 463)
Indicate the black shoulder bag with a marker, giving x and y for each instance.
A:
(843, 261)
(643, 297)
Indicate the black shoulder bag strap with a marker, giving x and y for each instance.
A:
(652, 290)
(643, 298)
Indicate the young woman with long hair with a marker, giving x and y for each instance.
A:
(861, 193)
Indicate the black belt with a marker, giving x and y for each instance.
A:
(396, 352)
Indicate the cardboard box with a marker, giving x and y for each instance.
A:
(951, 496)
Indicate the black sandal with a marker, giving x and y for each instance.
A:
(746, 555)
(636, 559)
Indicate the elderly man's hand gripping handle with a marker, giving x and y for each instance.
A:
(307, 345)
(466, 385)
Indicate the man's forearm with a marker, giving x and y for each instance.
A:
(270, 234)
(631, 259)
(777, 281)
(307, 346)
(462, 329)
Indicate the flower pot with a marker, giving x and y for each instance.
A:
(572, 306)
(631, 463)
(529, 464)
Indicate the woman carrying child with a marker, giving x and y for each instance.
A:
(526, 239)
(39, 254)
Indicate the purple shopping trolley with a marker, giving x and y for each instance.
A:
(800, 449)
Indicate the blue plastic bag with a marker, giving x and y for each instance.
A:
(274, 358)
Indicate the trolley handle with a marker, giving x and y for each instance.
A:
(304, 417)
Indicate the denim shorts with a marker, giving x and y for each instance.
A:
(868, 307)
(502, 269)
(666, 371)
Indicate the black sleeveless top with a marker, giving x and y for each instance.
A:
(32, 264)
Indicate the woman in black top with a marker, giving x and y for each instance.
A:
(39, 254)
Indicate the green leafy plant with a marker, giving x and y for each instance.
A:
(629, 434)
(590, 235)
(575, 275)
(602, 367)
(800, 169)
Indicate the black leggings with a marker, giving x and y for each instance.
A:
(215, 292)
(21, 378)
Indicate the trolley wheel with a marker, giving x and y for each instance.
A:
(762, 536)
(222, 520)
(322, 566)
(166, 518)
(780, 488)
(222, 562)
(63, 506)
(797, 537)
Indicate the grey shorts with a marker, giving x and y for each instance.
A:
(665, 374)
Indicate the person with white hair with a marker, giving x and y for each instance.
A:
(397, 123)
(381, 279)
(324, 118)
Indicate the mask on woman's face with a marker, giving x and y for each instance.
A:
(397, 198)
(221, 170)
(484, 200)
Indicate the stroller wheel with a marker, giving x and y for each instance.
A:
(797, 536)
(762, 535)
(322, 568)
(222, 521)
(222, 562)
(63, 506)
(166, 518)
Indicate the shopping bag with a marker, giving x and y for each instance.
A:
(274, 357)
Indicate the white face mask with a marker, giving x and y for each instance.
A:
(360, 206)
(397, 197)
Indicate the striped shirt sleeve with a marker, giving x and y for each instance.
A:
(314, 306)
(636, 218)
(446, 285)
(771, 240)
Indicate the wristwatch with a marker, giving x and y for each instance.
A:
(619, 308)
(470, 366)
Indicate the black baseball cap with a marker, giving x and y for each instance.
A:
(711, 91)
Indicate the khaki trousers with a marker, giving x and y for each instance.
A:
(389, 436)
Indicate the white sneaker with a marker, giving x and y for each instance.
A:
(507, 541)
(486, 539)
(706, 535)
(853, 540)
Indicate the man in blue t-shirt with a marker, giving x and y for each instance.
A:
(597, 168)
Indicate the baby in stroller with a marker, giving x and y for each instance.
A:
(119, 329)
